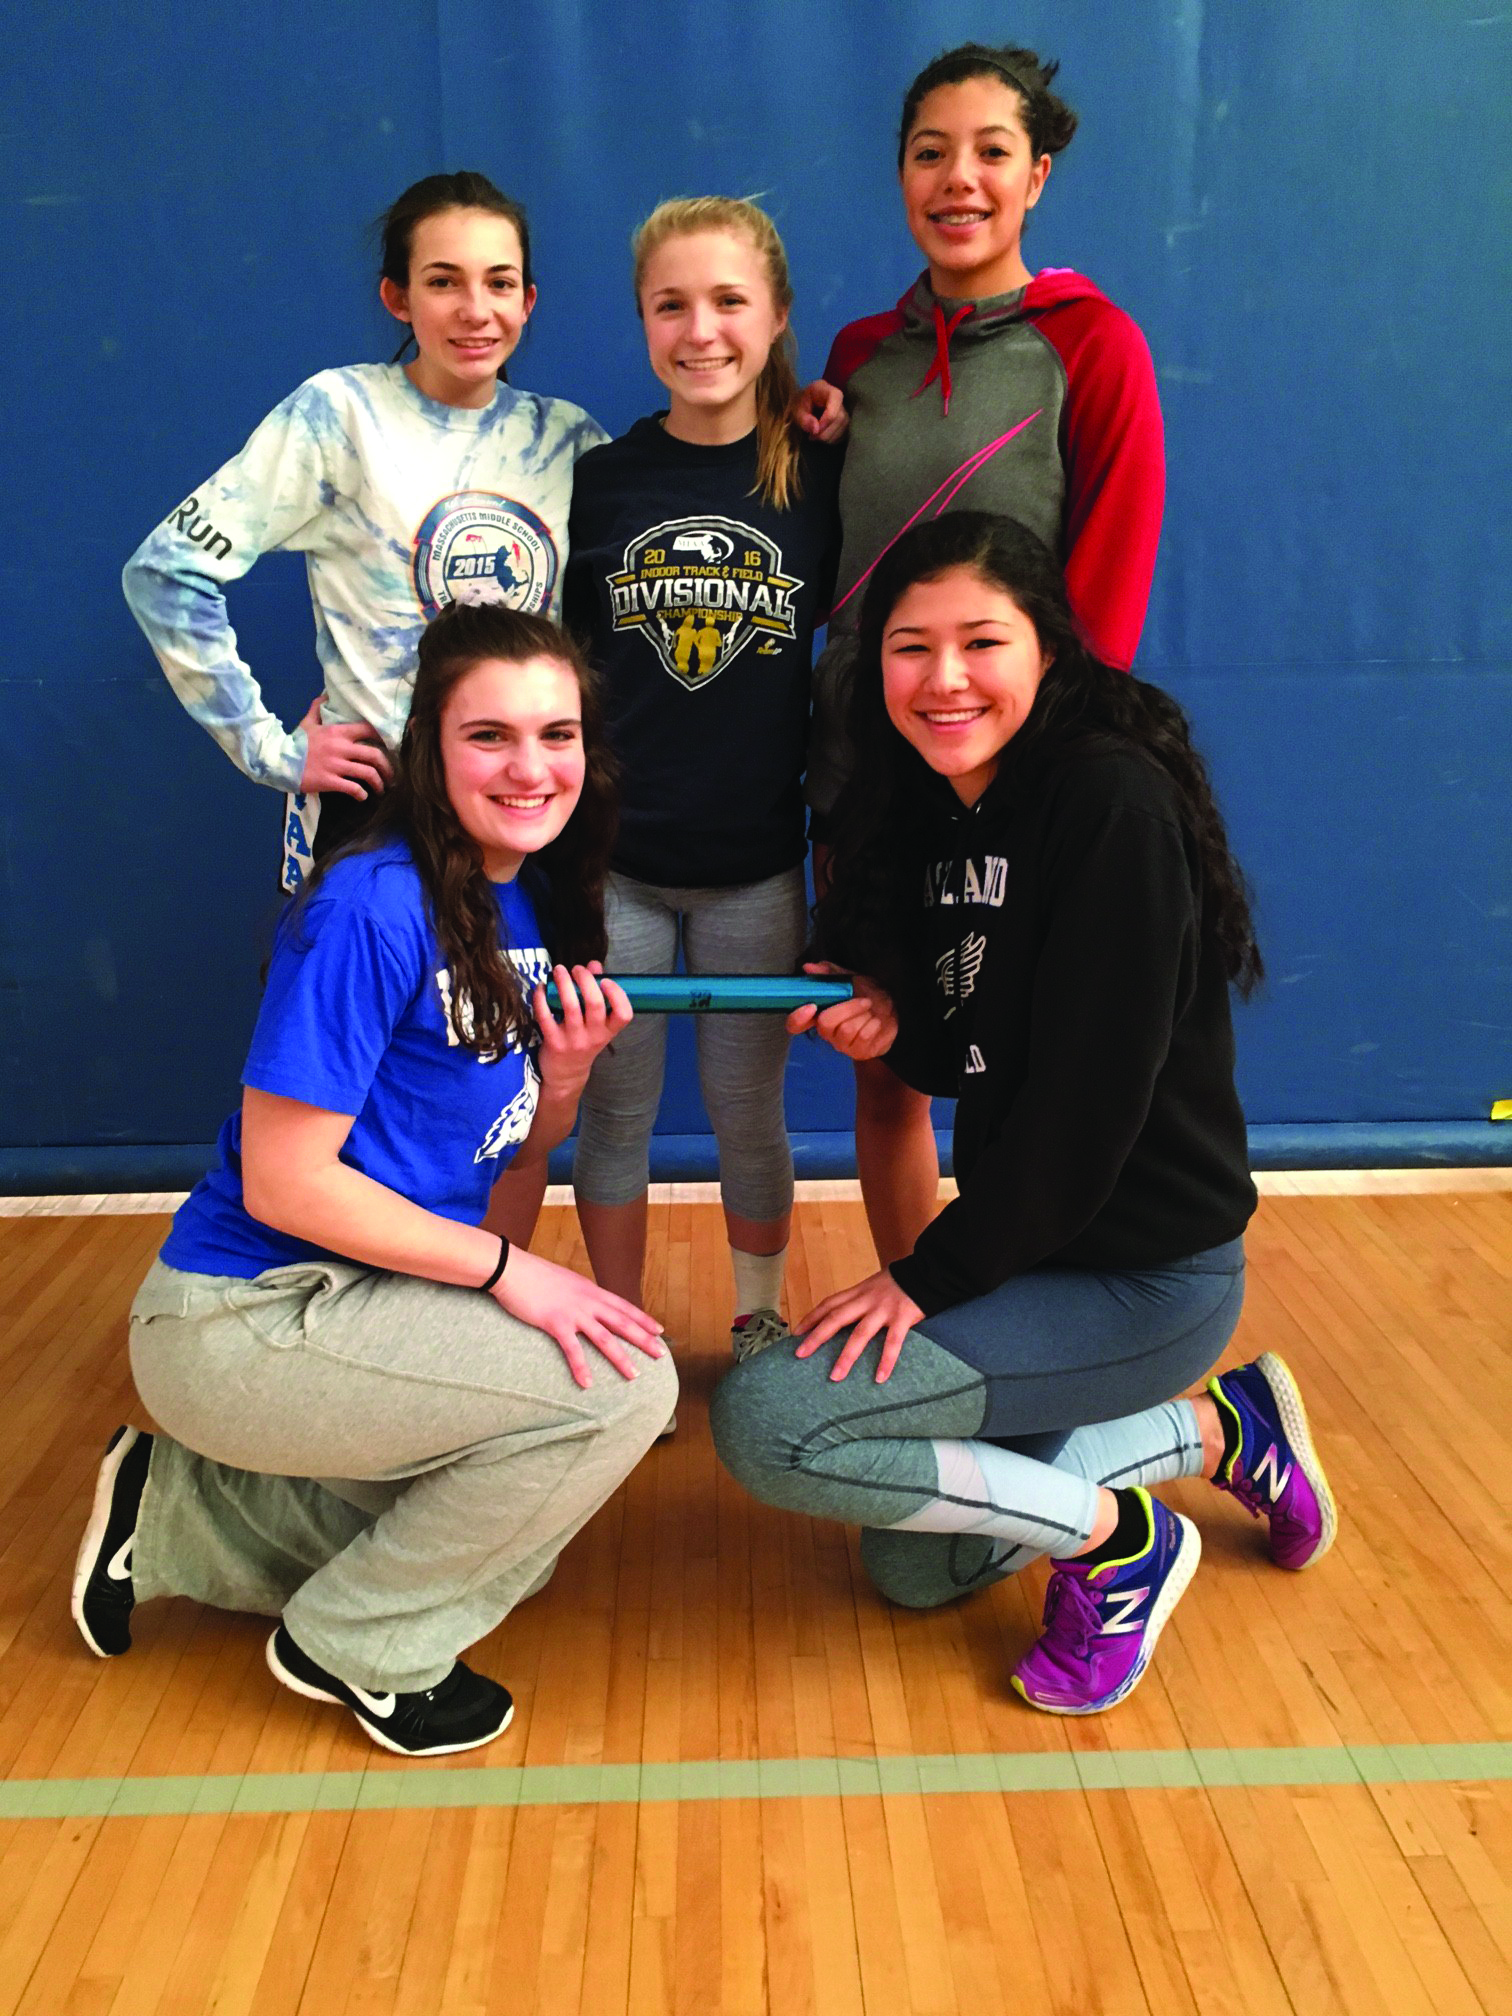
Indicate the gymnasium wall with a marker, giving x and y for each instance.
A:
(1307, 205)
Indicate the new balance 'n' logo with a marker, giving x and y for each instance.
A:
(1125, 1621)
(1277, 1483)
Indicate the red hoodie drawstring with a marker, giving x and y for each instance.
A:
(941, 366)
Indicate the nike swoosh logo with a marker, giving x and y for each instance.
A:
(118, 1567)
(376, 1704)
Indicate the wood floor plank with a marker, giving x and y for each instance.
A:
(97, 1963)
(687, 1623)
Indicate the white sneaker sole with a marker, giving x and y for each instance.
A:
(295, 1685)
(94, 1534)
(1287, 1395)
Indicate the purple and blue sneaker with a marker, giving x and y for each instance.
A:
(1102, 1619)
(1273, 1467)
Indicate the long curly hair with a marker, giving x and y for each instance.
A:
(489, 1002)
(864, 918)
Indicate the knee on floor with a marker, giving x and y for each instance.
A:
(751, 1422)
(920, 1571)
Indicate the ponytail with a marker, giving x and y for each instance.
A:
(779, 477)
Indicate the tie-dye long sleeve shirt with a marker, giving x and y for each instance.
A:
(399, 505)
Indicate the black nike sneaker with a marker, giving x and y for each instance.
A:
(459, 1713)
(103, 1595)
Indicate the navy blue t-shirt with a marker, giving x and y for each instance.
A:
(699, 602)
(356, 1019)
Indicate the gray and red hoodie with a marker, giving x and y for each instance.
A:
(1039, 404)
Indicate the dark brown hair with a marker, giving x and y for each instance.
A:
(862, 919)
(1048, 120)
(429, 197)
(488, 998)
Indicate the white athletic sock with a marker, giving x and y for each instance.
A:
(758, 1280)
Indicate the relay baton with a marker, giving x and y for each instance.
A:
(723, 994)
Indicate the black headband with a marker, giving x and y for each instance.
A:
(1012, 77)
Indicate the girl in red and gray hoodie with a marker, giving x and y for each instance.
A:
(986, 388)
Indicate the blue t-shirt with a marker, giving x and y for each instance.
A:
(356, 1019)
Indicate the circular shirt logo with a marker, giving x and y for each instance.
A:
(478, 547)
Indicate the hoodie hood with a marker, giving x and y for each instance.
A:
(948, 325)
(1051, 288)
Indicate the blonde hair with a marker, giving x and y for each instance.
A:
(778, 477)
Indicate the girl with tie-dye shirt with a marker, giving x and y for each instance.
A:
(405, 485)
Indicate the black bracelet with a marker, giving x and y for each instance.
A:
(501, 1264)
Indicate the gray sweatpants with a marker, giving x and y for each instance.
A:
(389, 1463)
(756, 928)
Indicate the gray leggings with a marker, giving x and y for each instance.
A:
(756, 928)
(1003, 1416)
(389, 1463)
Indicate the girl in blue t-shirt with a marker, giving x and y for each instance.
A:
(353, 1438)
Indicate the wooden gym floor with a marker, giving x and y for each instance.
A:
(737, 1781)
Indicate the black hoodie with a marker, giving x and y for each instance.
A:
(1073, 1003)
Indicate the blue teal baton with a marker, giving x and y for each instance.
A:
(724, 993)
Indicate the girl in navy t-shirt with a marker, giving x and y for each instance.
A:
(704, 544)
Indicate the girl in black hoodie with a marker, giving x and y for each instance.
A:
(1031, 870)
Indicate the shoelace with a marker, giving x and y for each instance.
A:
(761, 1330)
(1072, 1618)
(940, 368)
(414, 1711)
(1247, 1492)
